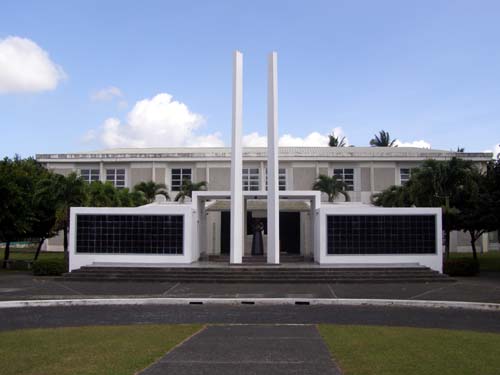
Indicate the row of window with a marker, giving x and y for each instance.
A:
(251, 177)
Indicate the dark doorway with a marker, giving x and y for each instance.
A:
(290, 232)
(225, 232)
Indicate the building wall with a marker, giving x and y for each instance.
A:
(383, 178)
(138, 175)
(303, 178)
(219, 179)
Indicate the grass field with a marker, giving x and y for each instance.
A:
(489, 261)
(369, 350)
(28, 253)
(110, 350)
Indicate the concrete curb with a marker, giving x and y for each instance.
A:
(253, 301)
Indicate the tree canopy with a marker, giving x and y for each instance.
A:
(383, 139)
(469, 197)
(332, 187)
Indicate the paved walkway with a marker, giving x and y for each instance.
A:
(21, 286)
(48, 317)
(249, 350)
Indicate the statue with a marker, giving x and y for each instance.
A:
(257, 241)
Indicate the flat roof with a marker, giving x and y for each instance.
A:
(260, 153)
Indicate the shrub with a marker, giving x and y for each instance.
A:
(49, 267)
(461, 267)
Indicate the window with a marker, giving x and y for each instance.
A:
(346, 175)
(281, 179)
(116, 176)
(178, 176)
(251, 179)
(405, 174)
(89, 175)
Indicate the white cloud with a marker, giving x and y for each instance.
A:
(254, 140)
(157, 122)
(25, 67)
(420, 144)
(495, 151)
(313, 139)
(106, 94)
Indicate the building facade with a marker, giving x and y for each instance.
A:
(365, 170)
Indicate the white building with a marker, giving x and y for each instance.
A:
(239, 193)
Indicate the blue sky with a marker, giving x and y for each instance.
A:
(422, 70)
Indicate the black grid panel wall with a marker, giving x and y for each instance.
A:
(130, 234)
(381, 234)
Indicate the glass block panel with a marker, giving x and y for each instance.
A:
(130, 234)
(381, 234)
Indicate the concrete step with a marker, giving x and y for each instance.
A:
(270, 281)
(258, 275)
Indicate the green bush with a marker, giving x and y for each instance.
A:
(461, 267)
(49, 267)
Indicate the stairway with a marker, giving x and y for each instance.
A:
(260, 259)
(258, 274)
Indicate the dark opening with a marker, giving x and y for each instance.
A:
(289, 231)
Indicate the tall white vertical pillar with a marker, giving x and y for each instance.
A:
(273, 209)
(236, 250)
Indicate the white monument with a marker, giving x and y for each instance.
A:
(237, 244)
(273, 201)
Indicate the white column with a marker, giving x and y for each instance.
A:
(273, 209)
(236, 250)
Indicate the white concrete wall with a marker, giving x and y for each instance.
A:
(190, 253)
(433, 261)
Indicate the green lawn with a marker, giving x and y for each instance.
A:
(370, 350)
(92, 350)
(489, 261)
(29, 253)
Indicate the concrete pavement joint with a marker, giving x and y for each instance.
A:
(170, 289)
(256, 301)
(332, 291)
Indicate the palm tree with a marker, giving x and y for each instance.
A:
(331, 186)
(336, 141)
(150, 189)
(187, 189)
(383, 139)
(71, 192)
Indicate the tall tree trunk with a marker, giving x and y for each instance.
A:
(447, 236)
(65, 238)
(40, 243)
(6, 255)
(473, 244)
(65, 242)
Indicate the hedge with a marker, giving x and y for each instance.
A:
(461, 267)
(49, 267)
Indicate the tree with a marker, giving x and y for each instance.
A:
(335, 141)
(331, 186)
(480, 209)
(460, 149)
(16, 216)
(70, 192)
(187, 189)
(393, 196)
(444, 184)
(383, 139)
(44, 205)
(99, 194)
(150, 189)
